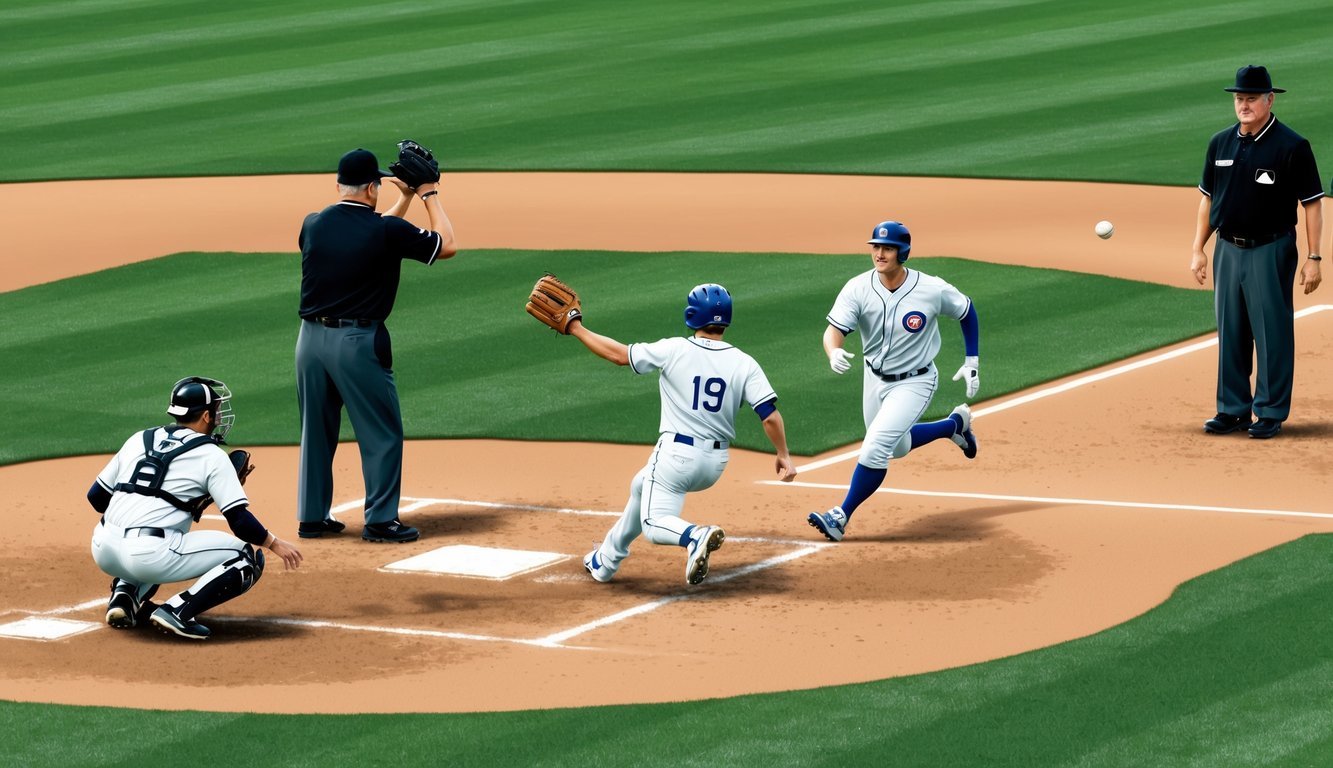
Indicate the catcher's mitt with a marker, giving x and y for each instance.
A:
(554, 303)
(415, 165)
(240, 459)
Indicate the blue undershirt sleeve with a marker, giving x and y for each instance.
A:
(99, 497)
(766, 408)
(244, 524)
(971, 331)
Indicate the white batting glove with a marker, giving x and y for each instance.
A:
(968, 373)
(841, 360)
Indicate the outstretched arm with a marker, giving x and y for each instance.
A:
(839, 359)
(777, 435)
(604, 347)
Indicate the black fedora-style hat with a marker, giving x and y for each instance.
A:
(1252, 79)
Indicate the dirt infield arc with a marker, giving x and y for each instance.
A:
(1085, 508)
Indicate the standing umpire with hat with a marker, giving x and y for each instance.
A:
(351, 257)
(1255, 174)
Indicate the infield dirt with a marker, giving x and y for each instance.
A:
(1109, 495)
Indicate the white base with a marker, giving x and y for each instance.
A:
(43, 628)
(476, 562)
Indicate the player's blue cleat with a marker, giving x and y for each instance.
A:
(833, 523)
(964, 437)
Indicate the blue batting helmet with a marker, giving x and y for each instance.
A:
(893, 233)
(707, 304)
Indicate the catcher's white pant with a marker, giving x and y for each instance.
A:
(890, 409)
(657, 494)
(150, 560)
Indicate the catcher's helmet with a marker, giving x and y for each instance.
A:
(893, 233)
(707, 304)
(193, 395)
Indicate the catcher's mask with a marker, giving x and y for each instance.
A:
(707, 304)
(893, 233)
(193, 395)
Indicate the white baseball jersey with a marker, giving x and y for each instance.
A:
(199, 471)
(703, 382)
(899, 329)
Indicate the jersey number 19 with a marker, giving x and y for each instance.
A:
(711, 389)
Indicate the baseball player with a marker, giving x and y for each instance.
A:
(895, 309)
(150, 493)
(703, 381)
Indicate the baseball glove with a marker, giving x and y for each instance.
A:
(554, 303)
(240, 459)
(415, 165)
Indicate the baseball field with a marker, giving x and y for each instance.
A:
(1103, 585)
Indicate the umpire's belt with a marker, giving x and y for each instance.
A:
(898, 376)
(1252, 241)
(687, 440)
(342, 322)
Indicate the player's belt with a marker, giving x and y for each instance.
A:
(1252, 241)
(898, 376)
(145, 531)
(342, 322)
(687, 440)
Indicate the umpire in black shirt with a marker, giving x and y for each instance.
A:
(1255, 175)
(350, 262)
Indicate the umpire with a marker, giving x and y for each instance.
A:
(351, 257)
(1255, 174)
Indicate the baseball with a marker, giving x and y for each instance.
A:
(1104, 229)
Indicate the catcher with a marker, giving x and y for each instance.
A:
(703, 381)
(153, 490)
(351, 261)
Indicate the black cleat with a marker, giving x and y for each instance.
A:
(393, 531)
(166, 620)
(319, 528)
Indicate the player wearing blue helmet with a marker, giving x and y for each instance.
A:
(896, 311)
(702, 381)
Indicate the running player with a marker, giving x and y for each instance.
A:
(895, 309)
(703, 381)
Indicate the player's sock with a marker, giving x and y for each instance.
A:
(865, 481)
(687, 536)
(928, 431)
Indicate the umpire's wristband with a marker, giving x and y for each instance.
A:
(431, 193)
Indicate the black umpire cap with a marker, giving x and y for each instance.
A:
(360, 167)
(1249, 79)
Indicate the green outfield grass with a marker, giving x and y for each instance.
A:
(1084, 89)
(471, 363)
(1233, 670)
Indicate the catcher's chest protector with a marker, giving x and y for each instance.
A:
(151, 471)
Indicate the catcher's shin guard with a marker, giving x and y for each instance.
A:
(224, 582)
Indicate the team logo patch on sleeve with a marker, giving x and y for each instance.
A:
(914, 322)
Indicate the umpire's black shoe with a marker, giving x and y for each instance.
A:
(1265, 428)
(1225, 424)
(166, 620)
(319, 528)
(393, 530)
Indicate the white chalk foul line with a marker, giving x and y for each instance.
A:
(433, 633)
(556, 639)
(1065, 387)
(1076, 502)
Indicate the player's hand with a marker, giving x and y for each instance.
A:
(968, 373)
(1311, 276)
(1199, 267)
(402, 185)
(291, 556)
(786, 470)
(840, 360)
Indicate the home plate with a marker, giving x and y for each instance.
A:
(477, 562)
(42, 628)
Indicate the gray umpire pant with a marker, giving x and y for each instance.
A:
(1253, 300)
(352, 367)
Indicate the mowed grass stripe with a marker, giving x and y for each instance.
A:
(1004, 88)
(471, 363)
